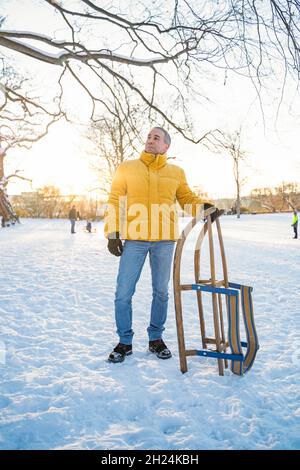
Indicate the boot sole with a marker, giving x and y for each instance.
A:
(160, 357)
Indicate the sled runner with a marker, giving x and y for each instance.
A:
(234, 294)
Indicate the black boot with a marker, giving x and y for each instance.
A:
(159, 348)
(120, 352)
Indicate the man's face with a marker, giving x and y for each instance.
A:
(156, 142)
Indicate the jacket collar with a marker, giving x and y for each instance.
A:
(153, 161)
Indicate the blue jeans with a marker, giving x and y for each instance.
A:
(72, 225)
(130, 268)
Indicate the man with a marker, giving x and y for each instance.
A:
(295, 224)
(73, 217)
(141, 210)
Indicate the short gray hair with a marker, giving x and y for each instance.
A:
(167, 137)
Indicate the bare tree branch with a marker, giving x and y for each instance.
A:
(249, 37)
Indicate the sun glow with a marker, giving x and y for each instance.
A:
(60, 159)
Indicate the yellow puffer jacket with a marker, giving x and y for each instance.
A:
(142, 202)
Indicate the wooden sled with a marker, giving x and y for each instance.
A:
(218, 289)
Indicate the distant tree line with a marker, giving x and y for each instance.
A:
(281, 198)
(47, 202)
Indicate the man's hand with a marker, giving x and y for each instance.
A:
(114, 244)
(214, 215)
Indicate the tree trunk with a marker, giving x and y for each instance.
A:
(6, 210)
(1, 164)
(237, 180)
(238, 201)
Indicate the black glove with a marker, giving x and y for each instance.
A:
(114, 244)
(215, 214)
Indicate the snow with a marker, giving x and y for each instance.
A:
(57, 391)
(31, 35)
(35, 50)
(101, 54)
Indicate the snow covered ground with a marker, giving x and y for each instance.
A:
(57, 391)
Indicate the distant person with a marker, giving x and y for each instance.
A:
(72, 218)
(88, 226)
(295, 224)
(78, 215)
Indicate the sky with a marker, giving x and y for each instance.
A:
(62, 158)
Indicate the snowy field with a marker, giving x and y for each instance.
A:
(57, 391)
